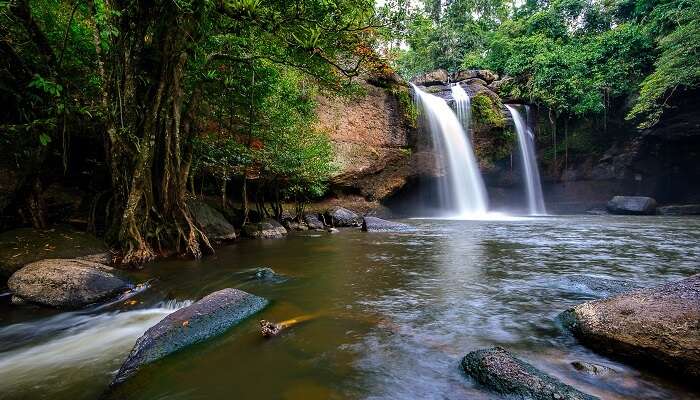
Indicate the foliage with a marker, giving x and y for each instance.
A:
(574, 57)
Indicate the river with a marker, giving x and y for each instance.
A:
(395, 312)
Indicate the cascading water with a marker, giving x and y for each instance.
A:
(533, 187)
(463, 196)
(463, 106)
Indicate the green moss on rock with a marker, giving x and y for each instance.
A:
(487, 111)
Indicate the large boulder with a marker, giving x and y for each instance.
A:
(374, 224)
(339, 216)
(313, 222)
(437, 77)
(65, 283)
(502, 372)
(209, 317)
(688, 209)
(659, 326)
(265, 229)
(214, 224)
(483, 74)
(632, 205)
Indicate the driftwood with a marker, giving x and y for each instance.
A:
(269, 329)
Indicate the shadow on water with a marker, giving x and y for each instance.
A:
(396, 313)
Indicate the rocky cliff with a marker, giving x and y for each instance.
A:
(373, 135)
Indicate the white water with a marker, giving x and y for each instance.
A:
(526, 141)
(463, 196)
(79, 348)
(463, 106)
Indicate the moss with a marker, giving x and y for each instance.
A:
(408, 107)
(486, 111)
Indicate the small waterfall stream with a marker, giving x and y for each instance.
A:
(463, 106)
(533, 187)
(463, 196)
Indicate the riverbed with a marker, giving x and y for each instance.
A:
(393, 313)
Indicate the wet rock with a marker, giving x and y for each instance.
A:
(214, 224)
(66, 283)
(502, 372)
(603, 286)
(333, 230)
(339, 216)
(295, 226)
(632, 205)
(592, 369)
(19, 247)
(658, 326)
(209, 317)
(688, 209)
(267, 274)
(437, 77)
(374, 224)
(313, 222)
(483, 74)
(266, 229)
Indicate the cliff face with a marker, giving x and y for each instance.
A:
(372, 135)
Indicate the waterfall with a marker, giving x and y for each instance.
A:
(463, 194)
(526, 141)
(463, 106)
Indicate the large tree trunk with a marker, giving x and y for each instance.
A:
(151, 154)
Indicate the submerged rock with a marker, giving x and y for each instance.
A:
(601, 285)
(500, 371)
(632, 205)
(266, 229)
(209, 317)
(658, 326)
(339, 216)
(374, 224)
(688, 209)
(214, 224)
(267, 274)
(65, 283)
(313, 222)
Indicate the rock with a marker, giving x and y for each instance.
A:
(463, 75)
(659, 326)
(590, 368)
(214, 224)
(100, 258)
(632, 205)
(437, 77)
(475, 82)
(483, 74)
(502, 372)
(66, 283)
(19, 247)
(339, 216)
(602, 285)
(267, 274)
(688, 209)
(333, 230)
(209, 317)
(497, 85)
(266, 229)
(374, 224)
(313, 222)
(295, 226)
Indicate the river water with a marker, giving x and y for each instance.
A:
(394, 313)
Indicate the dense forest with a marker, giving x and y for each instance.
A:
(165, 98)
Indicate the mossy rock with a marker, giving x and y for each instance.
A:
(487, 111)
(19, 247)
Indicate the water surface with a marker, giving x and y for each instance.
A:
(395, 313)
